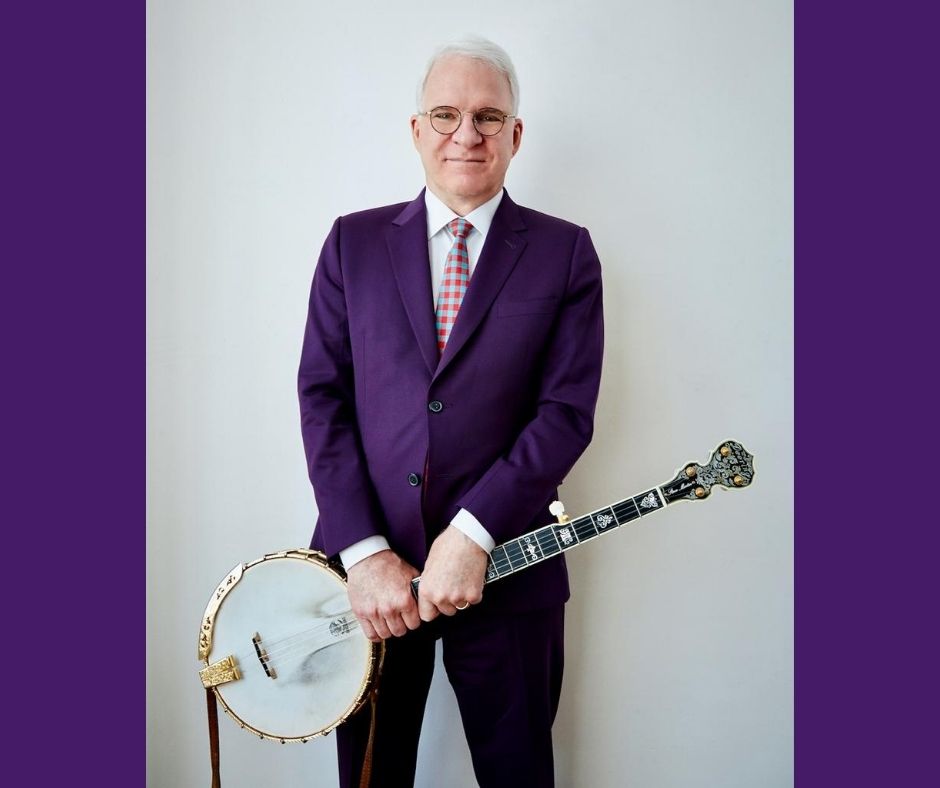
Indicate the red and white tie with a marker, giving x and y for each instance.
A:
(455, 281)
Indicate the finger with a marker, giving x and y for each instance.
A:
(411, 618)
(396, 625)
(447, 608)
(381, 628)
(369, 631)
(427, 611)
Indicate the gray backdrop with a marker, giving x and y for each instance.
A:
(666, 129)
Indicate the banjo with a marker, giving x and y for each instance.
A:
(293, 661)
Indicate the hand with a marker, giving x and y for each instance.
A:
(453, 574)
(380, 594)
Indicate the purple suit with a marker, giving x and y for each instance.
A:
(398, 438)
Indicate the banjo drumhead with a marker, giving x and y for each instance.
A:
(290, 614)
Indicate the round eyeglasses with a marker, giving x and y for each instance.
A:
(446, 120)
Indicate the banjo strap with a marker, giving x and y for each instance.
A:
(213, 712)
(367, 761)
(213, 737)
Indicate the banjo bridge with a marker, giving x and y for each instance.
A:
(263, 657)
(220, 672)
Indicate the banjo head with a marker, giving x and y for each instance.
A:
(300, 664)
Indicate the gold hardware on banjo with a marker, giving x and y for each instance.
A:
(293, 661)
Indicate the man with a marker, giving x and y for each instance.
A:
(448, 379)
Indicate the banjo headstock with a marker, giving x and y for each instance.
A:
(730, 466)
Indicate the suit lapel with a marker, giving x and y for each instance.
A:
(497, 259)
(407, 241)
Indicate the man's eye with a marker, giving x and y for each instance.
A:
(489, 116)
(444, 114)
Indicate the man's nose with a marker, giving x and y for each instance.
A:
(466, 133)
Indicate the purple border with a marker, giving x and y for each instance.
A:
(866, 619)
(74, 394)
(73, 314)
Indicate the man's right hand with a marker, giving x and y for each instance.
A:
(380, 594)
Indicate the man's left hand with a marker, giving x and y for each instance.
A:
(453, 575)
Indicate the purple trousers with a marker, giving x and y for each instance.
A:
(506, 671)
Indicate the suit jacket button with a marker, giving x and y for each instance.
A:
(435, 406)
(413, 479)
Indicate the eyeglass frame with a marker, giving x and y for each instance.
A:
(460, 114)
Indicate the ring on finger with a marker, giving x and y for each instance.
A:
(464, 606)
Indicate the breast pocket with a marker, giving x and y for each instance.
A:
(533, 306)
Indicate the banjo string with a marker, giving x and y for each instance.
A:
(302, 641)
(305, 639)
(303, 653)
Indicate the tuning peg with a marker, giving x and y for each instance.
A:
(557, 508)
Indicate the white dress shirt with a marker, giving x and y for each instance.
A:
(440, 241)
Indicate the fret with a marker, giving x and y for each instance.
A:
(500, 561)
(548, 542)
(647, 502)
(516, 557)
(584, 528)
(492, 573)
(604, 519)
(626, 511)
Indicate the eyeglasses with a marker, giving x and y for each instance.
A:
(487, 121)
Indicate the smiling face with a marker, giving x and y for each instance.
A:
(465, 169)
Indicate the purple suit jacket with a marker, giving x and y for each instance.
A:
(517, 383)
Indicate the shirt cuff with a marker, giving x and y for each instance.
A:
(466, 522)
(362, 549)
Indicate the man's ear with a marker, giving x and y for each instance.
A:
(415, 130)
(516, 135)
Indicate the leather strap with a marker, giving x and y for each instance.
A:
(213, 737)
(367, 761)
(213, 712)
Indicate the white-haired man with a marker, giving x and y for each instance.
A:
(449, 374)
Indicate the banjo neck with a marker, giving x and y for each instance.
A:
(730, 466)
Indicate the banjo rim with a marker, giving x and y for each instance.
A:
(373, 661)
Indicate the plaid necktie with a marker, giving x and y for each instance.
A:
(455, 281)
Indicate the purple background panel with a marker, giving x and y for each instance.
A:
(73, 326)
(866, 224)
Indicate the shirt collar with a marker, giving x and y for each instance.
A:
(439, 215)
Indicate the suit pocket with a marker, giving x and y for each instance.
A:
(534, 306)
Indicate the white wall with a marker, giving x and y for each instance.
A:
(665, 128)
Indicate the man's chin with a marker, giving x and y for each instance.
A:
(468, 187)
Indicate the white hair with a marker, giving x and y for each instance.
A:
(479, 48)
